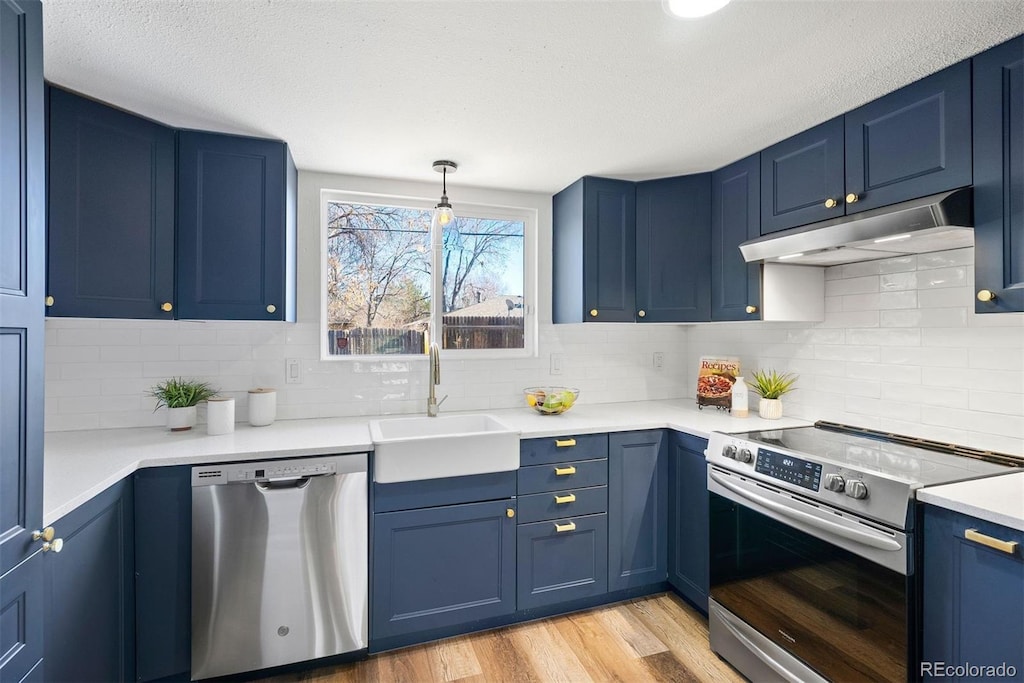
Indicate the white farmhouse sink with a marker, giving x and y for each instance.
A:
(413, 448)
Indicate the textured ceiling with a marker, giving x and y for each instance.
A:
(525, 95)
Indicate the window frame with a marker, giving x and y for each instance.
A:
(529, 218)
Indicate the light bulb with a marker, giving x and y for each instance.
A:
(693, 9)
(445, 216)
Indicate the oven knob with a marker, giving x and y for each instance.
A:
(857, 489)
(834, 482)
(729, 451)
(745, 455)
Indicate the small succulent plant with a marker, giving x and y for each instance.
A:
(181, 393)
(770, 384)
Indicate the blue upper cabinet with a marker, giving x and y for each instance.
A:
(673, 241)
(594, 251)
(911, 143)
(236, 228)
(972, 597)
(802, 178)
(111, 211)
(735, 218)
(637, 509)
(999, 177)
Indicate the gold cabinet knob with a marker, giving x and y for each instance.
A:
(831, 203)
(49, 301)
(46, 534)
(751, 309)
(510, 513)
(593, 312)
(56, 545)
(642, 313)
(852, 198)
(166, 307)
(986, 295)
(271, 308)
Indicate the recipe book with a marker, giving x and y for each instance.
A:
(715, 378)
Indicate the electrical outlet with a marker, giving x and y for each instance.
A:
(659, 359)
(293, 371)
(556, 363)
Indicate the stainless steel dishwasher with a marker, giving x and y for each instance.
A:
(279, 562)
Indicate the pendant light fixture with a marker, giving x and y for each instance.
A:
(443, 214)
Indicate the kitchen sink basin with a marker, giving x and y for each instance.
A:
(414, 448)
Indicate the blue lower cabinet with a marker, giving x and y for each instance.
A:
(637, 509)
(972, 596)
(441, 567)
(538, 507)
(562, 560)
(90, 588)
(562, 475)
(688, 518)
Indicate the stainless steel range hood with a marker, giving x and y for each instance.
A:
(936, 223)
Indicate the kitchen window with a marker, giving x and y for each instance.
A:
(390, 287)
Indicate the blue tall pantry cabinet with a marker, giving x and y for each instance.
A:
(22, 295)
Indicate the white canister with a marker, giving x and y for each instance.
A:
(262, 407)
(740, 398)
(220, 415)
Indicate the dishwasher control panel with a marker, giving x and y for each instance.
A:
(275, 470)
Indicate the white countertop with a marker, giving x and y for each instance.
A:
(998, 499)
(79, 465)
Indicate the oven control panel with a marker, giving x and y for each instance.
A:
(803, 473)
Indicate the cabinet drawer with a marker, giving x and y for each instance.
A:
(562, 448)
(562, 476)
(537, 507)
(556, 566)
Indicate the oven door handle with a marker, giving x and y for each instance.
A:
(863, 537)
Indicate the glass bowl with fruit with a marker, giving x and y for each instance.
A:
(551, 400)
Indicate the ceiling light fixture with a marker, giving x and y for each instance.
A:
(443, 214)
(693, 9)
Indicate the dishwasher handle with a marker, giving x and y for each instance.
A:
(285, 482)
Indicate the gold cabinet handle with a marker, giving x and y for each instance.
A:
(852, 198)
(564, 443)
(271, 308)
(510, 513)
(593, 312)
(642, 313)
(568, 498)
(56, 545)
(831, 203)
(45, 535)
(751, 309)
(568, 526)
(49, 301)
(986, 295)
(1008, 547)
(562, 471)
(166, 307)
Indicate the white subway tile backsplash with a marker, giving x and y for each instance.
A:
(997, 402)
(945, 259)
(894, 282)
(856, 285)
(957, 276)
(884, 337)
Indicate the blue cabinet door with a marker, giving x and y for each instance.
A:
(688, 518)
(999, 176)
(972, 594)
(163, 573)
(561, 560)
(673, 241)
(441, 567)
(111, 211)
(22, 280)
(735, 218)
(637, 509)
(90, 592)
(594, 251)
(911, 143)
(802, 178)
(236, 228)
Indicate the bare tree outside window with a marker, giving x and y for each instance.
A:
(379, 298)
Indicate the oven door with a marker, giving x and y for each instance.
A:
(806, 583)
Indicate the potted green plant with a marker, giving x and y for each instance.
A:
(181, 397)
(770, 386)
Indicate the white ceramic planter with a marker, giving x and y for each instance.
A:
(181, 419)
(770, 408)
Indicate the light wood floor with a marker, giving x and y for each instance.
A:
(659, 638)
